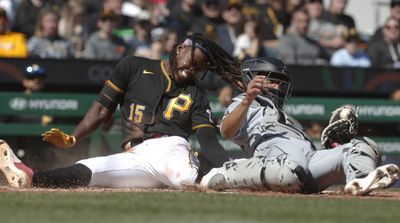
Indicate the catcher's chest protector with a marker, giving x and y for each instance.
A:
(275, 124)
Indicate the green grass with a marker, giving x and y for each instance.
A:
(132, 207)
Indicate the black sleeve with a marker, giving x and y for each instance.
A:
(124, 70)
(113, 90)
(212, 153)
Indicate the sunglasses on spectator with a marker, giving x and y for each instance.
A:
(391, 27)
(313, 1)
(395, 4)
(211, 2)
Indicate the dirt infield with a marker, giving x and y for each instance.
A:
(390, 194)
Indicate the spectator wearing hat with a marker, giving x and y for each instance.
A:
(351, 55)
(104, 44)
(12, 44)
(231, 28)
(34, 79)
(394, 12)
(46, 43)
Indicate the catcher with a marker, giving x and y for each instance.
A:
(161, 106)
(283, 158)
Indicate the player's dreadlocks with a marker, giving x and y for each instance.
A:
(220, 62)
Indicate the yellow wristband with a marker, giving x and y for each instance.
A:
(72, 139)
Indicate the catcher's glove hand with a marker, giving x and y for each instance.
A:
(59, 138)
(343, 126)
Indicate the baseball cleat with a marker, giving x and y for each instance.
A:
(215, 179)
(382, 177)
(16, 174)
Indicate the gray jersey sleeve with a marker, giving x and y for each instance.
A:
(265, 121)
(254, 117)
(242, 136)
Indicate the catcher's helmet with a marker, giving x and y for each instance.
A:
(276, 71)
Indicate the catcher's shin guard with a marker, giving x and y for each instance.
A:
(245, 173)
(282, 174)
(278, 174)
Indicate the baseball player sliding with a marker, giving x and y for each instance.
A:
(161, 106)
(283, 158)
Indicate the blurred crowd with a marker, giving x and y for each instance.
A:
(302, 32)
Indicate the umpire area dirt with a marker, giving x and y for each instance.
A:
(391, 194)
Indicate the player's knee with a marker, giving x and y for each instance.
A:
(183, 171)
(284, 175)
(187, 179)
(366, 147)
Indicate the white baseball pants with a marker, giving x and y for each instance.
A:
(155, 163)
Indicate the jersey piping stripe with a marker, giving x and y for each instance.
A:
(166, 76)
(202, 126)
(113, 86)
(109, 98)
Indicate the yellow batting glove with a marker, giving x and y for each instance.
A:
(59, 138)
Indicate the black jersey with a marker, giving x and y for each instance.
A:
(149, 99)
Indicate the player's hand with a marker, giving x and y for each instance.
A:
(59, 138)
(255, 87)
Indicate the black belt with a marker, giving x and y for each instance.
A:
(137, 141)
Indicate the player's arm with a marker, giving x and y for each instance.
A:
(101, 110)
(234, 120)
(96, 115)
(212, 151)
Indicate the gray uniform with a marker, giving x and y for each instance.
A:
(285, 159)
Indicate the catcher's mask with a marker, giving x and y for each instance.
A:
(276, 72)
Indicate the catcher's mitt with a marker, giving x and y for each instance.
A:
(343, 126)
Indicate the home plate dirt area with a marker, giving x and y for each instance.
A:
(388, 194)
